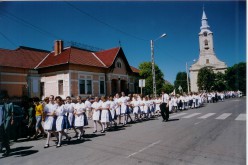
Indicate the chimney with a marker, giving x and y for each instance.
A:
(58, 47)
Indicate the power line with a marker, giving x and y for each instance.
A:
(5, 37)
(104, 23)
(26, 23)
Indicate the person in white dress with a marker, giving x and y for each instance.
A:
(146, 107)
(158, 101)
(112, 107)
(141, 105)
(104, 113)
(152, 107)
(123, 101)
(117, 101)
(88, 108)
(80, 117)
(61, 120)
(70, 115)
(135, 105)
(96, 114)
(50, 119)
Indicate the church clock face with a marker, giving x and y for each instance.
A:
(205, 34)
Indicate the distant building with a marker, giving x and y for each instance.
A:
(207, 57)
(65, 72)
(17, 74)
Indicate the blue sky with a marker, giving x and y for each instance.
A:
(132, 24)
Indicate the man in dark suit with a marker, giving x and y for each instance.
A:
(7, 120)
(164, 106)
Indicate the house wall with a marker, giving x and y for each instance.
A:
(19, 82)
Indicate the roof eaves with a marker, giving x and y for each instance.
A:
(115, 55)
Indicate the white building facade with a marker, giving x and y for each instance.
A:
(207, 57)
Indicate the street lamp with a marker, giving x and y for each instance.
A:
(153, 65)
(187, 71)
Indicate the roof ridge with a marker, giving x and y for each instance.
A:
(32, 49)
(98, 58)
(42, 61)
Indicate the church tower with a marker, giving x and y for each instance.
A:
(207, 57)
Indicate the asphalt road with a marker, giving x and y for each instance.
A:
(211, 135)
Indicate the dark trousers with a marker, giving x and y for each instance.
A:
(4, 138)
(164, 111)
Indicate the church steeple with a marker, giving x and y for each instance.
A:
(204, 21)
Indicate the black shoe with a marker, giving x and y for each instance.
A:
(95, 131)
(46, 146)
(68, 139)
(58, 145)
(6, 153)
(102, 131)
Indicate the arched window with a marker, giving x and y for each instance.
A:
(206, 42)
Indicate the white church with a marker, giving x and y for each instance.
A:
(207, 57)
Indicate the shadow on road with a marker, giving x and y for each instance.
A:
(21, 151)
(172, 120)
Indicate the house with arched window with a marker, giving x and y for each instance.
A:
(73, 71)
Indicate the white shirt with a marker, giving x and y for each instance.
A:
(165, 98)
(87, 104)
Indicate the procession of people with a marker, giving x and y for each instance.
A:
(54, 116)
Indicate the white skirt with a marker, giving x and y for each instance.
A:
(118, 111)
(136, 110)
(49, 123)
(142, 109)
(123, 109)
(105, 116)
(96, 115)
(71, 119)
(157, 107)
(60, 123)
(79, 121)
(112, 111)
(145, 109)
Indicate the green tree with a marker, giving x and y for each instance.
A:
(236, 77)
(181, 80)
(220, 82)
(205, 79)
(146, 73)
(168, 88)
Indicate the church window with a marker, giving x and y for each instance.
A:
(205, 34)
(207, 61)
(206, 42)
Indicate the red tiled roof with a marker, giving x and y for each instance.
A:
(22, 57)
(82, 57)
(108, 56)
(135, 70)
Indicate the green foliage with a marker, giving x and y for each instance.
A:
(220, 82)
(168, 88)
(205, 80)
(181, 80)
(146, 73)
(236, 77)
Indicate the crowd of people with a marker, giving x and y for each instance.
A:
(55, 116)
